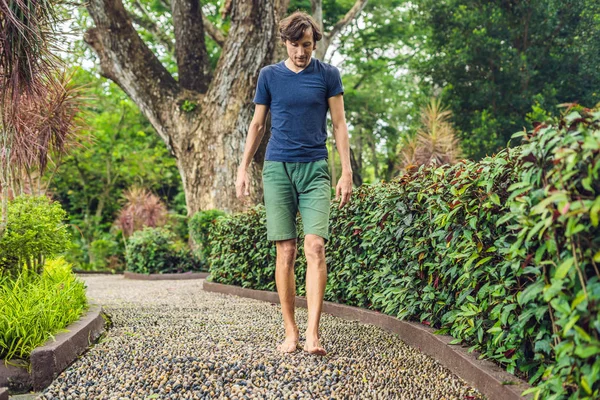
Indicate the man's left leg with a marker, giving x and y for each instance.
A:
(316, 279)
(314, 203)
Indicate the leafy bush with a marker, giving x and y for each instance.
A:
(501, 254)
(154, 251)
(34, 307)
(35, 231)
(199, 228)
(178, 224)
(105, 253)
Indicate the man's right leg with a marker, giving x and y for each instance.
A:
(281, 204)
(286, 288)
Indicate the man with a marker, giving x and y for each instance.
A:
(298, 92)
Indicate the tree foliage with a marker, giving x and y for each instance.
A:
(496, 59)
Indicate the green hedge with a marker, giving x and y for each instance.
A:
(156, 251)
(502, 254)
(199, 228)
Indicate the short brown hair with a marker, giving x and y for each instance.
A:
(294, 26)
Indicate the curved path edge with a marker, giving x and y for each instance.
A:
(484, 375)
(50, 359)
(161, 277)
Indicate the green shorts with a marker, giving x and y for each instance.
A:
(290, 187)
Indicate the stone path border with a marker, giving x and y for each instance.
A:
(83, 272)
(162, 277)
(485, 376)
(49, 360)
(3, 394)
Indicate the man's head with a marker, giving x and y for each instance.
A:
(299, 33)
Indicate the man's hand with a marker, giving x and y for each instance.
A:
(344, 188)
(242, 184)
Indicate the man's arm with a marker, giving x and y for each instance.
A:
(340, 132)
(255, 135)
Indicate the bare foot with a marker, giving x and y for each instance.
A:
(313, 346)
(290, 344)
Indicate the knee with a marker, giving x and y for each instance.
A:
(314, 248)
(287, 249)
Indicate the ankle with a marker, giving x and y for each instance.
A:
(312, 333)
(291, 329)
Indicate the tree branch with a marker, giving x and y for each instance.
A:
(126, 60)
(317, 12)
(350, 15)
(317, 7)
(149, 25)
(215, 33)
(226, 9)
(190, 49)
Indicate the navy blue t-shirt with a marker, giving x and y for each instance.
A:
(298, 104)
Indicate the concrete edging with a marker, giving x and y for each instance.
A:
(162, 277)
(484, 375)
(50, 359)
(83, 272)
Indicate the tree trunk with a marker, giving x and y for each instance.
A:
(374, 158)
(356, 176)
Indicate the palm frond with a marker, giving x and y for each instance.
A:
(436, 140)
(26, 39)
(46, 126)
(142, 208)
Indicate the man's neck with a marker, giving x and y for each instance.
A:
(291, 66)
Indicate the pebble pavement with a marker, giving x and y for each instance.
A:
(172, 340)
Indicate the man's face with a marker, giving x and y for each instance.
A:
(301, 51)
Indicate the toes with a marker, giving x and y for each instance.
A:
(287, 347)
(317, 351)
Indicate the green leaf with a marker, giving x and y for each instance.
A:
(555, 198)
(595, 212)
(561, 306)
(572, 117)
(518, 185)
(585, 385)
(482, 261)
(530, 292)
(578, 300)
(584, 335)
(563, 268)
(587, 351)
(550, 291)
(535, 229)
(495, 199)
(570, 324)
(543, 345)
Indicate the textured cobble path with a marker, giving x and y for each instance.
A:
(172, 340)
